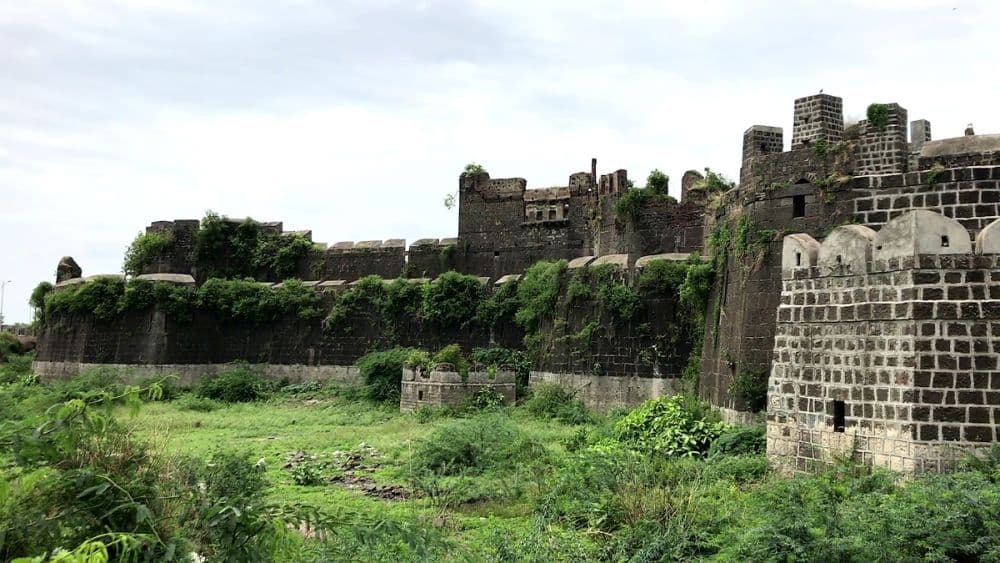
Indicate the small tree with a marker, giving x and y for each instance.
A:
(657, 182)
(474, 168)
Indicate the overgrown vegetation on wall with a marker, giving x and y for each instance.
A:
(878, 116)
(229, 300)
(145, 248)
(452, 301)
(634, 200)
(229, 249)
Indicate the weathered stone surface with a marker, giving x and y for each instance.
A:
(672, 256)
(798, 251)
(961, 145)
(921, 232)
(847, 250)
(903, 347)
(438, 388)
(67, 269)
(178, 279)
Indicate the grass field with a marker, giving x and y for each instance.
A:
(277, 429)
(311, 473)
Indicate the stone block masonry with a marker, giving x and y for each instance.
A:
(444, 387)
(887, 346)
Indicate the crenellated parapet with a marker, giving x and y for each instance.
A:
(886, 346)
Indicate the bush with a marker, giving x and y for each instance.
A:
(506, 358)
(452, 354)
(556, 402)
(474, 446)
(657, 182)
(9, 346)
(100, 297)
(383, 373)
(226, 249)
(37, 299)
(669, 426)
(452, 300)
(538, 292)
(751, 388)
(238, 385)
(663, 277)
(145, 248)
(252, 302)
(739, 440)
(197, 404)
(485, 457)
(487, 399)
(631, 203)
(307, 474)
(499, 306)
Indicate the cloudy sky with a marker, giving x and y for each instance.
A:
(353, 118)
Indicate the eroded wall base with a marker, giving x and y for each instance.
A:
(189, 375)
(604, 393)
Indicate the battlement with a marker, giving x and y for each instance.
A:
(884, 346)
(908, 241)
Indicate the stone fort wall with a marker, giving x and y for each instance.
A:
(647, 346)
(867, 174)
(887, 345)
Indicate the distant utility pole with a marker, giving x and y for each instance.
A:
(3, 288)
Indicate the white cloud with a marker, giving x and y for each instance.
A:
(354, 118)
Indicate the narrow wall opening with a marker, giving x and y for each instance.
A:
(839, 416)
(799, 206)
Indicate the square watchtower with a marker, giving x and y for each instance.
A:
(819, 117)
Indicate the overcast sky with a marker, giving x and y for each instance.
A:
(353, 118)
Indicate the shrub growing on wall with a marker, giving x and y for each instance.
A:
(452, 300)
(228, 300)
(383, 373)
(252, 250)
(249, 301)
(538, 292)
(145, 248)
(100, 297)
(502, 304)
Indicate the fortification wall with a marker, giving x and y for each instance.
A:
(177, 257)
(351, 261)
(661, 226)
(885, 347)
(605, 393)
(443, 387)
(648, 345)
(865, 179)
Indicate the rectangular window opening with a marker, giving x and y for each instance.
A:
(839, 416)
(420, 395)
(799, 206)
(944, 241)
(798, 258)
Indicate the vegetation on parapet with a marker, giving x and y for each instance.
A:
(634, 200)
(250, 249)
(228, 300)
(878, 116)
(145, 248)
